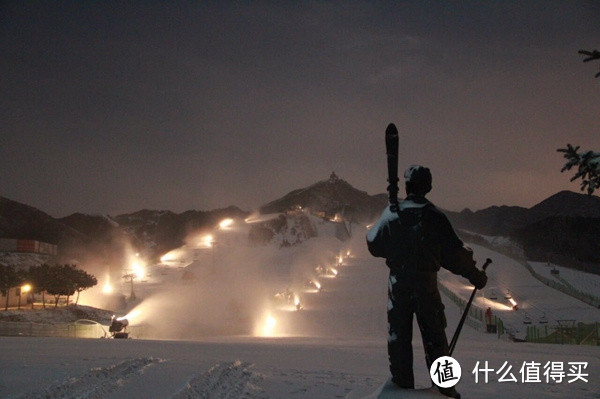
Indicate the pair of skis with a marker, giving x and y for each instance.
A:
(391, 146)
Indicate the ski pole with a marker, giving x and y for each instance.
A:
(464, 316)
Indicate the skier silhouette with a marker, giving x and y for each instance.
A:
(415, 241)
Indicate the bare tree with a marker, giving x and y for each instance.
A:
(592, 55)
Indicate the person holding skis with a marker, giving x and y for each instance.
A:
(416, 239)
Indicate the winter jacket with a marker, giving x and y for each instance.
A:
(419, 238)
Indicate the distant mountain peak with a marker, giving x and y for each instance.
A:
(569, 203)
(333, 178)
(330, 197)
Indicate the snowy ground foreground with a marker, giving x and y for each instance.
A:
(260, 368)
(347, 350)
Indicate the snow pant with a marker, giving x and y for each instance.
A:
(409, 293)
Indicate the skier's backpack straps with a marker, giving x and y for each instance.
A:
(408, 239)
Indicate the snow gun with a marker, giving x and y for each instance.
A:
(117, 327)
(391, 146)
(464, 316)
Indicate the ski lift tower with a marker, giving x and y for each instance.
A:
(129, 277)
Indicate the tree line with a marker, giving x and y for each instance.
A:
(57, 280)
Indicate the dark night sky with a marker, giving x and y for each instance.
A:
(112, 107)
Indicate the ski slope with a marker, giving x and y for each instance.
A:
(585, 282)
(535, 301)
(335, 345)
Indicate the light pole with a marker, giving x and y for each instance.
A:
(213, 244)
(130, 276)
(27, 289)
(24, 289)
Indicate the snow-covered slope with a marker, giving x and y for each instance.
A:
(585, 282)
(535, 301)
(336, 344)
(24, 260)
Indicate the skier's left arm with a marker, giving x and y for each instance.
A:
(457, 257)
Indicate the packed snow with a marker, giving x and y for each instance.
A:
(587, 283)
(226, 334)
(509, 279)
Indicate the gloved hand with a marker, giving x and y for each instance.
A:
(478, 279)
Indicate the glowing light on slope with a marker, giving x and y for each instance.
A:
(296, 301)
(500, 306)
(312, 286)
(225, 223)
(266, 328)
(257, 218)
(168, 257)
(138, 269)
(108, 288)
(331, 272)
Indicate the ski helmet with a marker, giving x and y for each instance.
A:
(418, 179)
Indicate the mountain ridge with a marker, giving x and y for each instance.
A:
(502, 220)
(333, 199)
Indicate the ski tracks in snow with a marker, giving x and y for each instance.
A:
(229, 380)
(241, 380)
(224, 381)
(97, 382)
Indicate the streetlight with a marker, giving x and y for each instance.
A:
(29, 288)
(108, 288)
(130, 277)
(22, 290)
(213, 244)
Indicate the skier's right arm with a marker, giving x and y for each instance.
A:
(457, 257)
(378, 236)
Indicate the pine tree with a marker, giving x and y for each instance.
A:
(588, 167)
